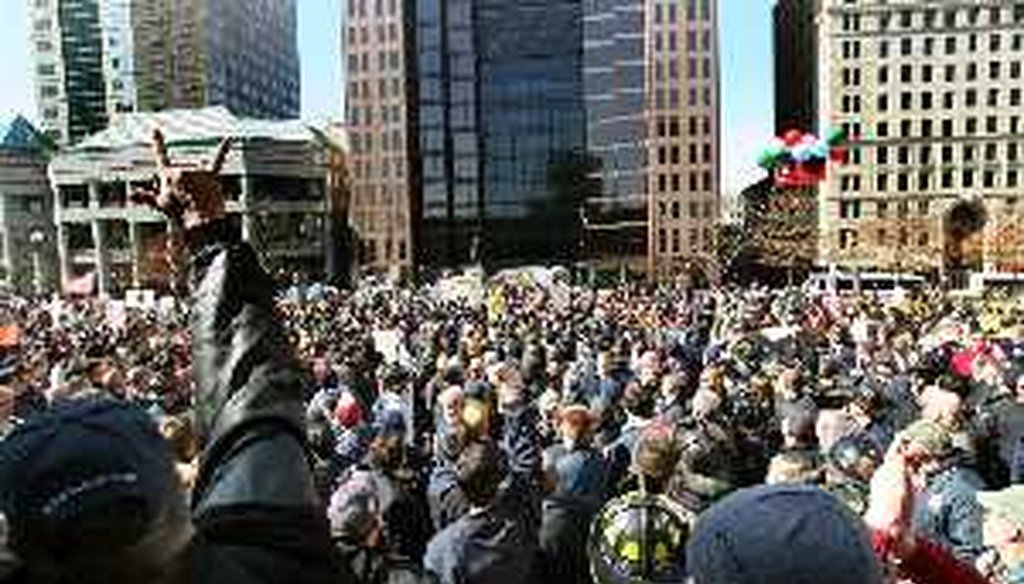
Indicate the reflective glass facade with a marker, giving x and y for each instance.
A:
(82, 50)
(501, 118)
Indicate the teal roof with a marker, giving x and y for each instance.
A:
(191, 127)
(17, 133)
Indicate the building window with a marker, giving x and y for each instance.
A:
(904, 129)
(906, 46)
(882, 209)
(883, 155)
(1015, 70)
(968, 178)
(675, 209)
(883, 102)
(902, 182)
(992, 124)
(906, 100)
(988, 179)
(881, 236)
(947, 179)
(972, 71)
(922, 239)
(882, 183)
(906, 74)
(906, 18)
(882, 129)
(971, 98)
(1011, 178)
(883, 74)
(883, 49)
(926, 74)
(662, 240)
(994, 42)
(993, 97)
(923, 181)
(1011, 151)
(968, 153)
(993, 70)
(926, 100)
(950, 73)
(926, 151)
(847, 239)
(926, 128)
(947, 128)
(929, 46)
(947, 154)
(950, 45)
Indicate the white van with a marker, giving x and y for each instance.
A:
(879, 283)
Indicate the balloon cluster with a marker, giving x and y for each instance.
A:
(799, 159)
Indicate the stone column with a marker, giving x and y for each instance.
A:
(135, 243)
(245, 200)
(99, 239)
(63, 257)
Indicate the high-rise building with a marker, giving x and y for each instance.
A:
(502, 130)
(96, 59)
(796, 66)
(381, 119)
(651, 74)
(931, 91)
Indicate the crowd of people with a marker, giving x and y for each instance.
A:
(540, 432)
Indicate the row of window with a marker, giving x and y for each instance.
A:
(851, 75)
(365, 116)
(851, 49)
(926, 127)
(969, 153)
(667, 11)
(368, 252)
(669, 41)
(667, 96)
(853, 104)
(386, 61)
(385, 34)
(360, 8)
(672, 183)
(989, 179)
(672, 154)
(883, 209)
(673, 69)
(696, 241)
(387, 88)
(848, 238)
(675, 210)
(389, 141)
(928, 18)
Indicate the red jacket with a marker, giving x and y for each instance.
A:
(929, 563)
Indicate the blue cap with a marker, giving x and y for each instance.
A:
(91, 475)
(781, 534)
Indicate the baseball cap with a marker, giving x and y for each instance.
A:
(781, 534)
(931, 437)
(1008, 503)
(89, 476)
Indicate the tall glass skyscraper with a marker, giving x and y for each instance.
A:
(502, 129)
(98, 58)
(651, 74)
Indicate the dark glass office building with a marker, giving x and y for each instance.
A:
(502, 130)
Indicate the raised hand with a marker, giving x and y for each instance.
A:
(189, 194)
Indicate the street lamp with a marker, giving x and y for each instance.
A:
(37, 238)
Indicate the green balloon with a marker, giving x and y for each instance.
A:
(835, 136)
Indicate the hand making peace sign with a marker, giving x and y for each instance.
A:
(189, 194)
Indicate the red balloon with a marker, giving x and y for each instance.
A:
(792, 137)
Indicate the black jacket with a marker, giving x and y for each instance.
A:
(255, 508)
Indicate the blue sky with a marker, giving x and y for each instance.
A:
(746, 68)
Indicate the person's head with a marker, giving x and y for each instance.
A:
(926, 445)
(783, 534)
(480, 469)
(354, 512)
(656, 456)
(1003, 523)
(575, 422)
(90, 488)
(938, 404)
(798, 421)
